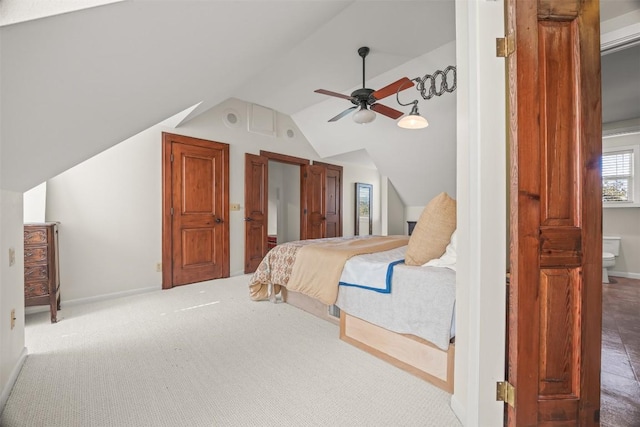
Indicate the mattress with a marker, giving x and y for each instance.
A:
(421, 300)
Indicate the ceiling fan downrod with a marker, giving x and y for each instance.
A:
(363, 52)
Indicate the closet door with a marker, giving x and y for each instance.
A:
(314, 211)
(322, 195)
(333, 199)
(195, 210)
(255, 210)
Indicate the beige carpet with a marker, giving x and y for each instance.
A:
(205, 355)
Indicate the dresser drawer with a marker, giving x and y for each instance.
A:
(36, 272)
(35, 254)
(41, 272)
(36, 289)
(35, 236)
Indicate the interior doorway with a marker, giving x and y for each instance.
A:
(284, 203)
(315, 213)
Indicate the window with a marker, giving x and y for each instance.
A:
(620, 186)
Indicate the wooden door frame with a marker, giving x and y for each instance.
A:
(296, 161)
(167, 241)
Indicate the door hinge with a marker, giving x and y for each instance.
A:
(172, 157)
(505, 392)
(171, 211)
(505, 46)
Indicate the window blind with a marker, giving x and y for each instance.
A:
(617, 176)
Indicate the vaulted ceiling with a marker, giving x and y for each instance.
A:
(75, 82)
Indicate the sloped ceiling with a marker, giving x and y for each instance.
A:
(76, 83)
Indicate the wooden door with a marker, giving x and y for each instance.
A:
(196, 206)
(256, 183)
(556, 238)
(333, 199)
(313, 184)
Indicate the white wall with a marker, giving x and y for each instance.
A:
(110, 220)
(624, 222)
(35, 204)
(395, 211)
(12, 350)
(291, 201)
(109, 207)
(481, 203)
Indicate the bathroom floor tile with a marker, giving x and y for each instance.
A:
(620, 367)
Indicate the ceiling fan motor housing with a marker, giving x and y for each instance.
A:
(359, 96)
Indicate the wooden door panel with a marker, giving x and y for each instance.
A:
(322, 192)
(557, 44)
(195, 229)
(559, 337)
(198, 246)
(333, 203)
(314, 183)
(196, 206)
(556, 237)
(256, 206)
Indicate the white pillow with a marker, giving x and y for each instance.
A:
(448, 259)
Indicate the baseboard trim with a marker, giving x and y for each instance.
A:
(87, 300)
(458, 409)
(624, 274)
(6, 391)
(114, 295)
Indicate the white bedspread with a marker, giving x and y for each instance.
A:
(371, 271)
(421, 303)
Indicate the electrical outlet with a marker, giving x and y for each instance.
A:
(13, 318)
(12, 256)
(235, 206)
(159, 267)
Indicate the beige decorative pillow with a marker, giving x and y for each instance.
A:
(433, 230)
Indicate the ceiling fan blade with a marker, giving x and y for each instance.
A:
(387, 111)
(336, 94)
(344, 113)
(402, 84)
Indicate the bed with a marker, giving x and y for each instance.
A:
(401, 313)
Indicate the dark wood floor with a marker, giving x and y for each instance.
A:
(620, 375)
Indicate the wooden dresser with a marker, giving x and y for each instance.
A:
(41, 274)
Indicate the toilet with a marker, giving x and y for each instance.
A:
(610, 250)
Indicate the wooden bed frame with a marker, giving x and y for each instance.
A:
(407, 352)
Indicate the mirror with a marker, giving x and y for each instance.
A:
(363, 222)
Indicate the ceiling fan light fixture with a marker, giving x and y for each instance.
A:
(364, 116)
(413, 120)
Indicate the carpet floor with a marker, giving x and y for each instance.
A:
(205, 355)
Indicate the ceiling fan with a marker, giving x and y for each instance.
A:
(365, 98)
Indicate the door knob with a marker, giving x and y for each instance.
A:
(218, 220)
(248, 219)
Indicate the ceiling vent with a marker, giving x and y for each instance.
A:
(262, 120)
